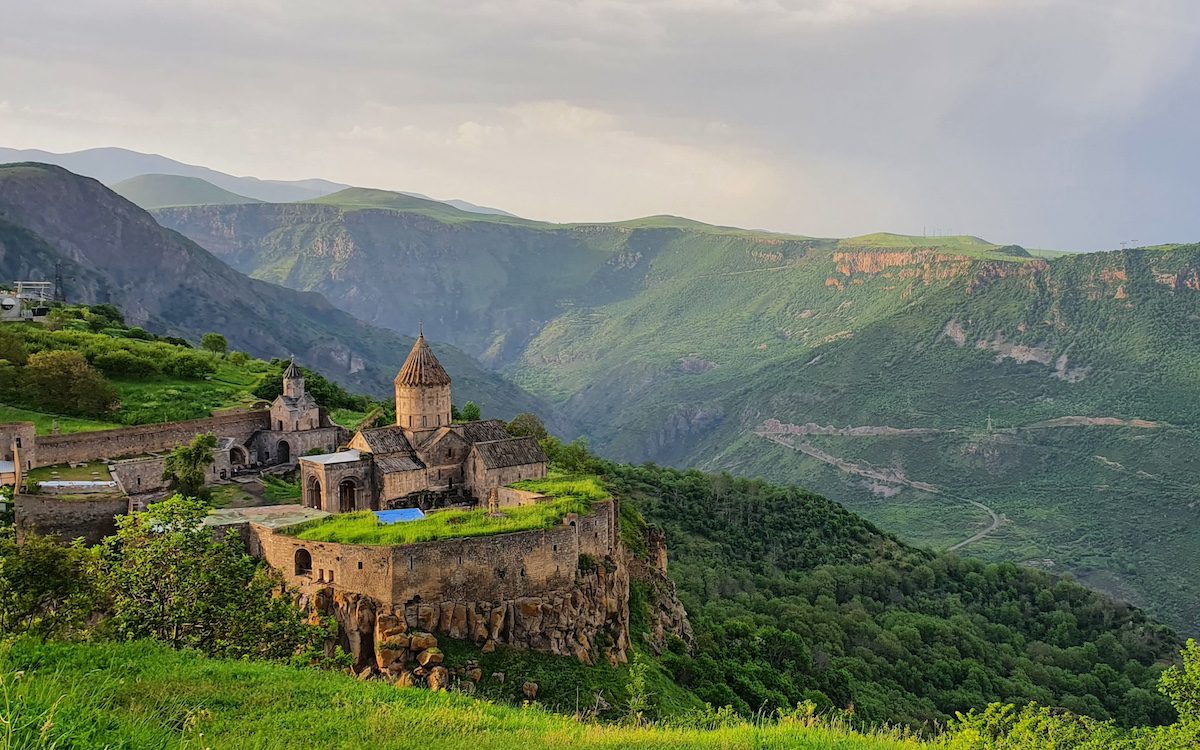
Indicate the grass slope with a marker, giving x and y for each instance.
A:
(141, 695)
(152, 191)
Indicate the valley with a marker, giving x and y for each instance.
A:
(1020, 380)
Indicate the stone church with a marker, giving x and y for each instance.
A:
(425, 459)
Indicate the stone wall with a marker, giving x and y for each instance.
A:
(127, 441)
(563, 590)
(18, 443)
(268, 448)
(139, 475)
(93, 518)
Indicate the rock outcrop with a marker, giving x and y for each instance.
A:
(589, 622)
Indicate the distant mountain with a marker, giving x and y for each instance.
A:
(1037, 408)
(113, 251)
(114, 165)
(163, 190)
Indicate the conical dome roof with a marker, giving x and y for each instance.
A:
(421, 367)
(292, 371)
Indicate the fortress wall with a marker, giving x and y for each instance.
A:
(364, 569)
(92, 519)
(126, 441)
(490, 568)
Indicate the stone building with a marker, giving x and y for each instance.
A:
(425, 459)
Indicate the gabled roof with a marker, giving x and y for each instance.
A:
(384, 440)
(398, 462)
(498, 454)
(483, 431)
(422, 368)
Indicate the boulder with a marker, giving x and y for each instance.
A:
(498, 677)
(420, 641)
(430, 657)
(427, 617)
(406, 679)
(439, 678)
(488, 647)
(530, 689)
(474, 674)
(466, 687)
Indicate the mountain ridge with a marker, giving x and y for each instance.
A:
(113, 251)
(675, 343)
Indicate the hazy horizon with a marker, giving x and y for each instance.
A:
(1064, 125)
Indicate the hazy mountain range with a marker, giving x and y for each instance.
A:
(115, 165)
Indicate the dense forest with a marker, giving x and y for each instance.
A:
(794, 598)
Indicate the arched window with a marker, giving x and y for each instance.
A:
(303, 562)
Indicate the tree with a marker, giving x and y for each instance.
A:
(527, 424)
(109, 315)
(171, 578)
(186, 466)
(12, 348)
(45, 587)
(471, 412)
(63, 382)
(214, 342)
(1182, 684)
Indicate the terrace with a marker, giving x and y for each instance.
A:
(563, 494)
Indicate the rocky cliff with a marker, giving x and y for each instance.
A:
(589, 622)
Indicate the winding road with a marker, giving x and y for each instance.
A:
(889, 477)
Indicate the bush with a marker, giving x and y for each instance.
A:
(122, 363)
(189, 365)
(63, 382)
(46, 588)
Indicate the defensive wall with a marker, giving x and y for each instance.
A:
(562, 590)
(79, 447)
(92, 518)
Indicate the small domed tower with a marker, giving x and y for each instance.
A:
(293, 381)
(422, 390)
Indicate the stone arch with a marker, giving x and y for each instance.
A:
(283, 452)
(312, 493)
(238, 456)
(348, 495)
(303, 562)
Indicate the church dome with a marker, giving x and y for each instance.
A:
(422, 368)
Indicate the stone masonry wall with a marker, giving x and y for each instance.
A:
(92, 519)
(563, 590)
(128, 441)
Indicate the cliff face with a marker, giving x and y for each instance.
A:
(588, 621)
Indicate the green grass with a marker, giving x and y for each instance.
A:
(279, 491)
(72, 473)
(45, 422)
(141, 695)
(568, 493)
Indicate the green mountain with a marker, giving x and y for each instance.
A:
(1021, 405)
(112, 251)
(161, 190)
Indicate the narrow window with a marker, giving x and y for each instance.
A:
(330, 575)
(410, 562)
(360, 564)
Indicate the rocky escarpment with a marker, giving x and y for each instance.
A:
(589, 622)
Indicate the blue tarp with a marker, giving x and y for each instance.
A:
(399, 516)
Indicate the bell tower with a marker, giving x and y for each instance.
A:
(293, 381)
(422, 390)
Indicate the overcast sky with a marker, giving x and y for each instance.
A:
(1056, 123)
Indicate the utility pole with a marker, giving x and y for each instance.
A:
(60, 292)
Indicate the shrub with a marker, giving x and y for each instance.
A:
(122, 363)
(63, 382)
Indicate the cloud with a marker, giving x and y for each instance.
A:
(1057, 123)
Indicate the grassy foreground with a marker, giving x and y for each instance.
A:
(569, 494)
(146, 696)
